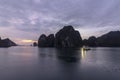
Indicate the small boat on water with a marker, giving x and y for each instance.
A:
(86, 48)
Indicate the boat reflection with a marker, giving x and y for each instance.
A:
(69, 55)
(63, 54)
(83, 53)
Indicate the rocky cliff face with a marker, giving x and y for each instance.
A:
(92, 41)
(42, 42)
(66, 37)
(46, 41)
(51, 40)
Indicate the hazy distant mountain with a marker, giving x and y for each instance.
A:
(110, 39)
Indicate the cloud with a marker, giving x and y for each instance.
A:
(34, 17)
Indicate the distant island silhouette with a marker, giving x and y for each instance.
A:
(68, 37)
(111, 39)
(7, 43)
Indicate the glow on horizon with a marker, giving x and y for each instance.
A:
(27, 41)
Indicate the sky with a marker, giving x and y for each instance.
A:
(23, 21)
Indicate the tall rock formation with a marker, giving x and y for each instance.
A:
(50, 40)
(42, 42)
(68, 37)
(46, 41)
(92, 41)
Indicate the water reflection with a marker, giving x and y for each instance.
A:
(83, 53)
(68, 55)
(47, 52)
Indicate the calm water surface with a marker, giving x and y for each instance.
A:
(32, 63)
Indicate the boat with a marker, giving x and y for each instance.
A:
(86, 48)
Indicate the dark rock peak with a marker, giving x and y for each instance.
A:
(68, 37)
(51, 40)
(7, 39)
(46, 41)
(43, 36)
(92, 38)
(92, 41)
(69, 28)
(51, 36)
(112, 34)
